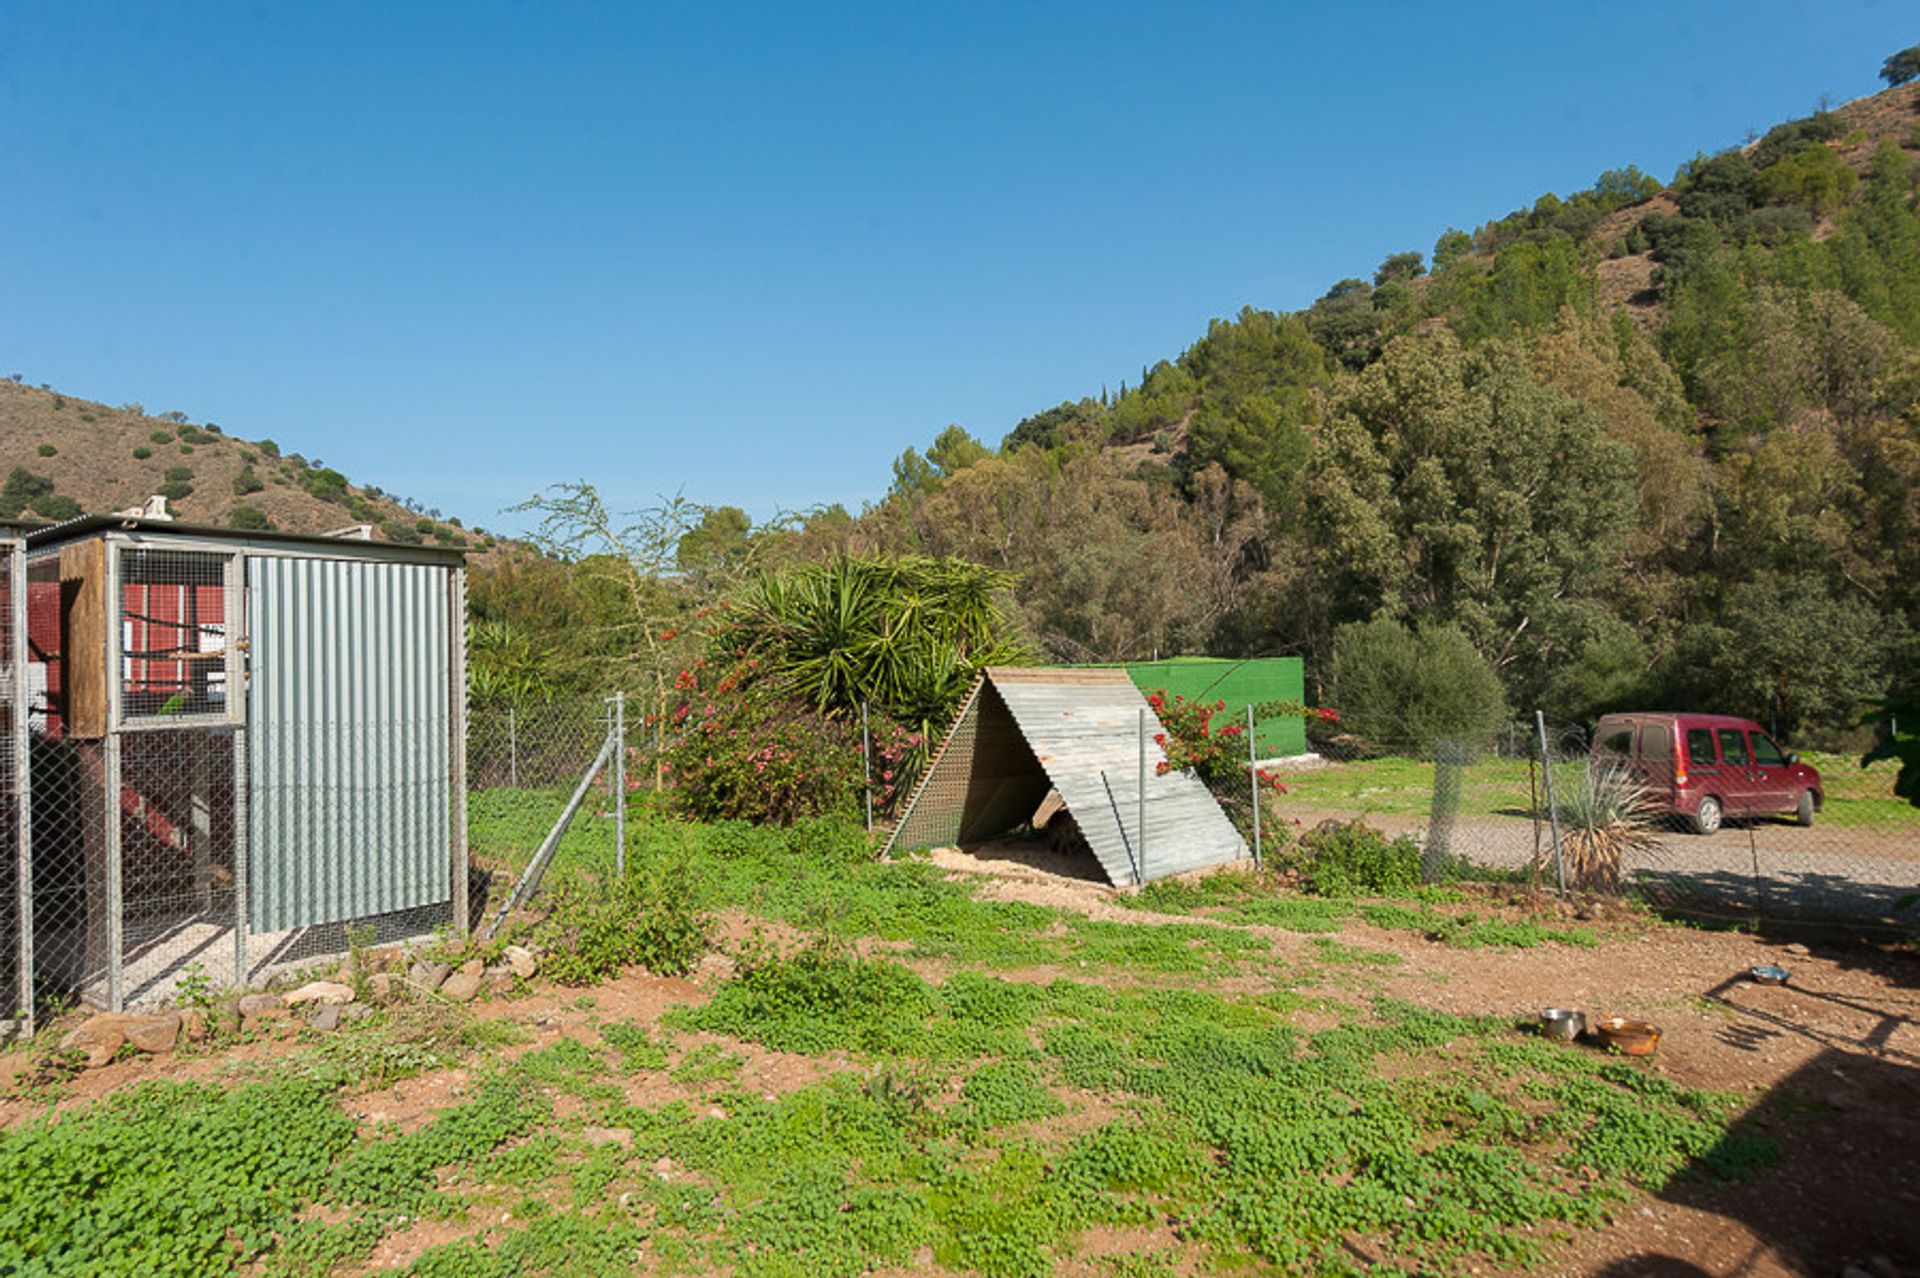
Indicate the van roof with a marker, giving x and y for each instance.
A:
(1686, 718)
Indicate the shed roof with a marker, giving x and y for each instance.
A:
(85, 526)
(1024, 731)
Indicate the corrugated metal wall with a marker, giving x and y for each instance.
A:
(348, 739)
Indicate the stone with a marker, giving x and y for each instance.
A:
(99, 1037)
(193, 1026)
(1797, 948)
(620, 1136)
(522, 961)
(325, 1017)
(380, 986)
(355, 1012)
(262, 1005)
(473, 967)
(500, 980)
(429, 976)
(153, 1034)
(330, 992)
(462, 986)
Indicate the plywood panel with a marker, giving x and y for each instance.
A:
(83, 637)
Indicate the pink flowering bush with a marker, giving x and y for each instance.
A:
(1217, 755)
(738, 753)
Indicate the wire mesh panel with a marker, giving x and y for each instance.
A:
(524, 762)
(174, 655)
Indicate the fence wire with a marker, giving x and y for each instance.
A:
(1484, 807)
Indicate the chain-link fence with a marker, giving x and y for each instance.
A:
(1547, 802)
(546, 781)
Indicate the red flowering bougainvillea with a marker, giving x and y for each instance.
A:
(737, 751)
(1218, 754)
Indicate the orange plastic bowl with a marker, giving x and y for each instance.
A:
(1630, 1038)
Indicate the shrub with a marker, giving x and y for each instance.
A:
(745, 753)
(247, 481)
(650, 919)
(270, 448)
(57, 506)
(47, 450)
(400, 531)
(1354, 859)
(1404, 689)
(327, 485)
(179, 474)
(22, 489)
(819, 1001)
(142, 453)
(828, 840)
(736, 840)
(249, 519)
(176, 490)
(1604, 817)
(161, 437)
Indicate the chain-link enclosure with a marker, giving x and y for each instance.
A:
(242, 757)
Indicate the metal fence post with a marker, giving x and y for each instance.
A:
(620, 784)
(1553, 808)
(513, 750)
(1253, 784)
(1140, 798)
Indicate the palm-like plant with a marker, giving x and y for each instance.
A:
(1603, 817)
(904, 635)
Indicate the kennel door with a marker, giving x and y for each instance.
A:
(348, 740)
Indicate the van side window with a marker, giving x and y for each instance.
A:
(1700, 747)
(1619, 741)
(1656, 741)
(1733, 747)
(1766, 753)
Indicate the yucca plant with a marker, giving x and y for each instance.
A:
(905, 636)
(1603, 817)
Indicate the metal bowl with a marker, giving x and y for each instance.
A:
(1768, 974)
(1562, 1024)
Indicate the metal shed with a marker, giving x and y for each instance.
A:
(1088, 734)
(242, 746)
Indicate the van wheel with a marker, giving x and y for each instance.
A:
(1803, 811)
(1706, 818)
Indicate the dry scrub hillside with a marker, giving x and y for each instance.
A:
(104, 459)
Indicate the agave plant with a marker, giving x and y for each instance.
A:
(1603, 817)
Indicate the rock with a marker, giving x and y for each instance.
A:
(355, 1012)
(329, 992)
(153, 1034)
(473, 967)
(620, 1136)
(500, 980)
(193, 1025)
(380, 985)
(262, 1005)
(99, 1037)
(1797, 948)
(429, 976)
(522, 961)
(462, 985)
(325, 1017)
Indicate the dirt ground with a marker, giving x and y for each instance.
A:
(1831, 1061)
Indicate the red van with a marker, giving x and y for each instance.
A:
(1707, 767)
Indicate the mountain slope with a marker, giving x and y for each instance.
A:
(64, 456)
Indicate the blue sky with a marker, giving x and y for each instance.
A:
(751, 252)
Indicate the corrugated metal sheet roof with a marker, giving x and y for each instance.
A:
(1080, 732)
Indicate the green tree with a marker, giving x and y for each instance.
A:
(22, 489)
(1403, 689)
(1398, 268)
(720, 540)
(1452, 245)
(1797, 658)
(1901, 67)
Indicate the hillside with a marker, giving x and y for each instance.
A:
(64, 456)
(1650, 442)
